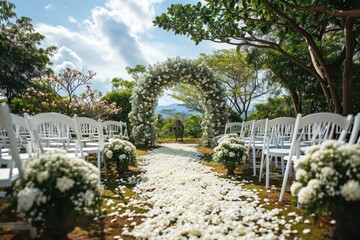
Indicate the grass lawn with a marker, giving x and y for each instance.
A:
(111, 223)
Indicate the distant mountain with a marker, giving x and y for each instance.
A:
(174, 108)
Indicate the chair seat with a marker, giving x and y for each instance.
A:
(4, 176)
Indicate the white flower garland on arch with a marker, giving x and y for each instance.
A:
(166, 75)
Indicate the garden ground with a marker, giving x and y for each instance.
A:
(114, 222)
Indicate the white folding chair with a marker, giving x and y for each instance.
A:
(112, 129)
(310, 130)
(355, 131)
(256, 141)
(23, 138)
(14, 170)
(124, 131)
(54, 130)
(276, 143)
(233, 127)
(90, 134)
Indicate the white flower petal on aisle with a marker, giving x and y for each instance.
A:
(189, 201)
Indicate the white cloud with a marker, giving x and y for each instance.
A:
(113, 37)
(72, 19)
(136, 14)
(49, 7)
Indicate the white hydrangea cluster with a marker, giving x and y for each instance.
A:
(166, 75)
(330, 170)
(120, 152)
(55, 180)
(231, 149)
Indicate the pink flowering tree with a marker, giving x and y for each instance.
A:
(57, 94)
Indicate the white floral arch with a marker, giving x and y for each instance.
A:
(166, 75)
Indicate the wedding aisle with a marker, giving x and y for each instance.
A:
(189, 201)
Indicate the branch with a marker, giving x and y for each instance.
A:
(330, 11)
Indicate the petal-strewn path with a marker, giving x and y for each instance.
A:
(190, 201)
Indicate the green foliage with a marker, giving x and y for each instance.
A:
(310, 34)
(239, 71)
(41, 97)
(189, 96)
(273, 108)
(192, 126)
(21, 59)
(235, 117)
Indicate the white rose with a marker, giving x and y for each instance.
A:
(42, 176)
(109, 154)
(64, 183)
(351, 190)
(26, 198)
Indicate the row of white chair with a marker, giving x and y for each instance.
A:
(287, 138)
(13, 170)
(79, 136)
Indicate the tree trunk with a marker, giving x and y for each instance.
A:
(347, 74)
(296, 101)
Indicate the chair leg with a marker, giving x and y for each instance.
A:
(98, 163)
(254, 161)
(261, 169)
(267, 174)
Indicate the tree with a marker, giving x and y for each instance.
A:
(38, 98)
(305, 94)
(240, 75)
(41, 97)
(121, 95)
(189, 96)
(89, 104)
(119, 84)
(67, 82)
(273, 108)
(21, 59)
(136, 72)
(330, 31)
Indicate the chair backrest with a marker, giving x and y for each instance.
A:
(124, 131)
(112, 128)
(319, 127)
(53, 125)
(246, 128)
(355, 132)
(7, 125)
(314, 128)
(89, 128)
(233, 127)
(259, 128)
(280, 130)
(22, 131)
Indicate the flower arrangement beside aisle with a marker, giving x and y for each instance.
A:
(55, 186)
(120, 152)
(230, 151)
(328, 178)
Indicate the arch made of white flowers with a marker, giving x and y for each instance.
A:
(165, 75)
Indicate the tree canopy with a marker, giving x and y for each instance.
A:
(21, 58)
(328, 35)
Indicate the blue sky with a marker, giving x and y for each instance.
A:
(107, 36)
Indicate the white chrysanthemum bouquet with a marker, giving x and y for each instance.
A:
(56, 184)
(120, 152)
(230, 151)
(328, 172)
